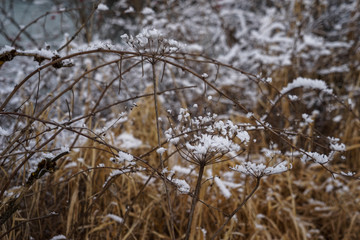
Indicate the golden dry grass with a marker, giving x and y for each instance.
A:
(304, 203)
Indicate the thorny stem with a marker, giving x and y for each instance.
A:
(194, 200)
(172, 233)
(237, 209)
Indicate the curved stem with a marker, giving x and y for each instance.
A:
(237, 209)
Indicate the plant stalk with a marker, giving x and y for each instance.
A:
(172, 233)
(194, 200)
(237, 209)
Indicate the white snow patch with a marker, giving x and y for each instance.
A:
(204, 75)
(70, 165)
(349, 174)
(317, 157)
(293, 97)
(307, 118)
(182, 185)
(129, 141)
(123, 156)
(208, 143)
(102, 7)
(334, 69)
(4, 132)
(6, 48)
(42, 52)
(222, 187)
(161, 150)
(65, 149)
(337, 118)
(338, 147)
(58, 237)
(243, 136)
(307, 83)
(174, 140)
(258, 170)
(181, 169)
(194, 48)
(114, 217)
(130, 10)
(147, 11)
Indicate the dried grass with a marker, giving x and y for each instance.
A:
(305, 203)
(287, 206)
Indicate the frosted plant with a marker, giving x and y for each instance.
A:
(204, 140)
(181, 185)
(259, 170)
(152, 41)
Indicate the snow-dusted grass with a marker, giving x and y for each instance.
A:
(152, 140)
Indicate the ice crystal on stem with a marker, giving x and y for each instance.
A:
(259, 170)
(152, 41)
(204, 139)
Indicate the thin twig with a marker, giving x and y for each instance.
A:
(23, 29)
(82, 26)
(26, 221)
(194, 201)
(172, 233)
(237, 209)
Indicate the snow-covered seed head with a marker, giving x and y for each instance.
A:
(152, 41)
(204, 139)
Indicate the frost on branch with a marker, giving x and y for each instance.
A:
(161, 150)
(124, 158)
(304, 83)
(335, 145)
(307, 84)
(152, 41)
(259, 170)
(204, 139)
(9, 53)
(181, 185)
(316, 157)
(319, 158)
(208, 144)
